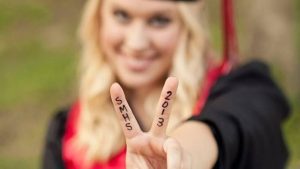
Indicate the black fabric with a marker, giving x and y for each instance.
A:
(52, 155)
(245, 110)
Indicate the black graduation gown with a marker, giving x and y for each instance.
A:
(245, 110)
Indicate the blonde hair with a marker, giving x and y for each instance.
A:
(99, 132)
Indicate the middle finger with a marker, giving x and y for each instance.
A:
(164, 106)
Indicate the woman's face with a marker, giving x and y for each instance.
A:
(139, 39)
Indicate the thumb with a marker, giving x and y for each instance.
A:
(174, 153)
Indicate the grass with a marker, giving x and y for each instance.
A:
(37, 74)
(38, 53)
(291, 129)
(14, 162)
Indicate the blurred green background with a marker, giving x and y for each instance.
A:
(39, 55)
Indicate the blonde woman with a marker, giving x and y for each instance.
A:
(138, 44)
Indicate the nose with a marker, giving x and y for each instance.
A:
(137, 39)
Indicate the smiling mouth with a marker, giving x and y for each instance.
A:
(137, 64)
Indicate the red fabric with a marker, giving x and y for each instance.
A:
(229, 34)
(230, 58)
(74, 159)
(211, 77)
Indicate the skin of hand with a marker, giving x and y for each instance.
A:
(183, 149)
(197, 139)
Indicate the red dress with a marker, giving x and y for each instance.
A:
(74, 159)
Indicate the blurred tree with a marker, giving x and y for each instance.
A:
(266, 31)
(269, 34)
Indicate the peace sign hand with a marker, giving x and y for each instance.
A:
(153, 149)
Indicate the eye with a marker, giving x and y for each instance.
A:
(121, 16)
(160, 21)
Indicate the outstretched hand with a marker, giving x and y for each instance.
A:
(152, 149)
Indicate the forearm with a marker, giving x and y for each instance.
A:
(198, 141)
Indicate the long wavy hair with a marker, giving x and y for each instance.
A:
(99, 132)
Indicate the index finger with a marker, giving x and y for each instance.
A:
(129, 124)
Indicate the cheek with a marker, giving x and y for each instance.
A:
(166, 41)
(111, 37)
